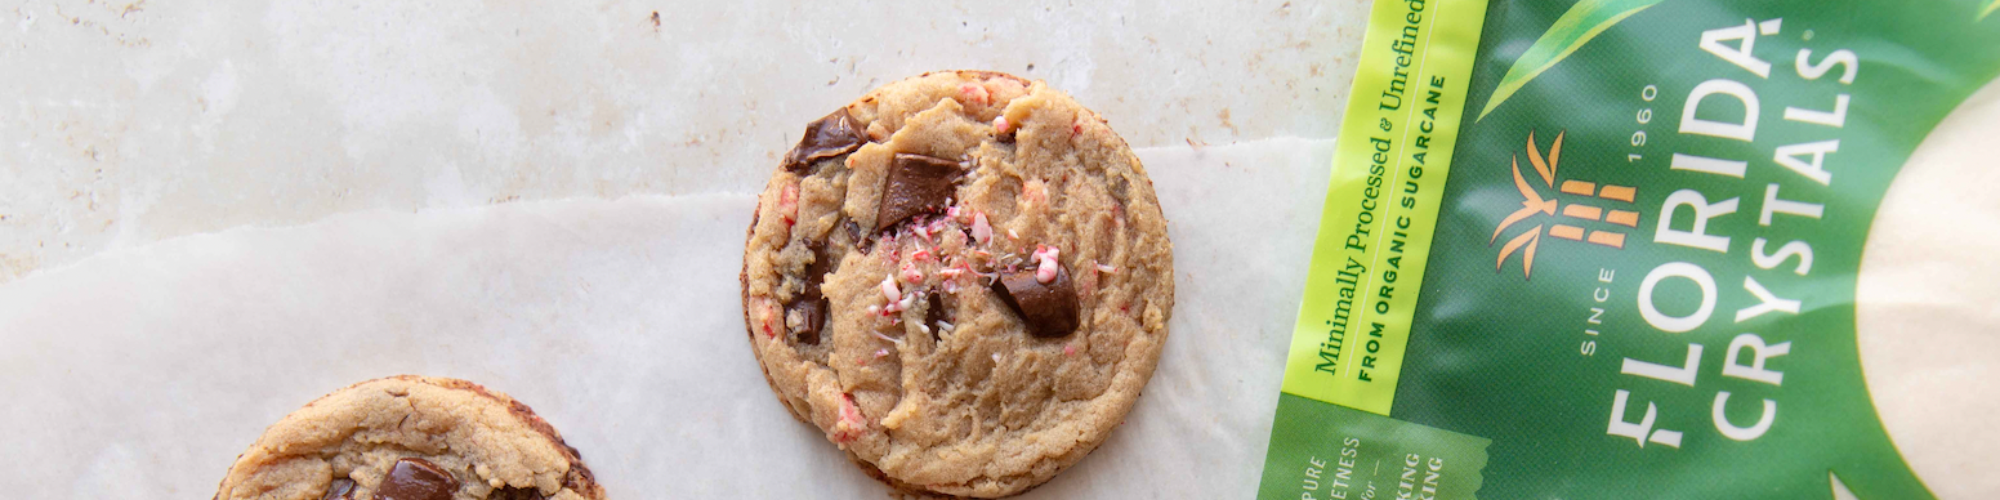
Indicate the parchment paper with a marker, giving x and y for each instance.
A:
(142, 372)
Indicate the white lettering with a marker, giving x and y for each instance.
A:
(1674, 324)
(1843, 57)
(1795, 248)
(1641, 431)
(1759, 352)
(1774, 205)
(1766, 301)
(1696, 236)
(1708, 165)
(1745, 131)
(1739, 55)
(1743, 433)
(1788, 156)
(1835, 118)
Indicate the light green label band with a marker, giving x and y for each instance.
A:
(1337, 453)
(1375, 231)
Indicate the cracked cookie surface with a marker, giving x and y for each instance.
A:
(411, 438)
(963, 278)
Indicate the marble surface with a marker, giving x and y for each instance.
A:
(137, 121)
(211, 213)
(142, 372)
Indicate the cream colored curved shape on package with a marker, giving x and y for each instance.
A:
(1926, 312)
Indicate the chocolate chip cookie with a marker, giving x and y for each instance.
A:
(963, 278)
(411, 438)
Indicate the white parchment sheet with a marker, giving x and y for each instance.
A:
(141, 373)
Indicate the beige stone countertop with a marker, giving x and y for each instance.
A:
(137, 121)
(214, 212)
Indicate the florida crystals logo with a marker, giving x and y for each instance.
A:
(1561, 213)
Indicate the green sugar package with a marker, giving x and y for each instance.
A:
(1618, 249)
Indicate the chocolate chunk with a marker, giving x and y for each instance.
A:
(854, 233)
(512, 493)
(416, 479)
(810, 303)
(1050, 309)
(831, 136)
(935, 316)
(814, 312)
(861, 241)
(915, 184)
(822, 265)
(341, 489)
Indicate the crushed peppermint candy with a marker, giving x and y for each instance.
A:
(1013, 235)
(1035, 192)
(1069, 350)
(975, 92)
(982, 231)
(944, 326)
(1000, 124)
(892, 340)
(910, 273)
(788, 204)
(881, 353)
(851, 423)
(889, 290)
(1106, 269)
(770, 312)
(1045, 271)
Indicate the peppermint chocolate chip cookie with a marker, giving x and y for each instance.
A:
(411, 438)
(963, 278)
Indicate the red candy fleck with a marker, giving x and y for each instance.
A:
(788, 204)
(764, 320)
(974, 92)
(851, 422)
